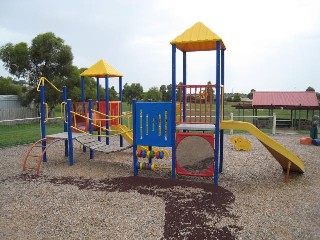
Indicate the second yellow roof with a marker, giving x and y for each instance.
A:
(101, 69)
(197, 38)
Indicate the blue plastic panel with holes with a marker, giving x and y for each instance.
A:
(153, 123)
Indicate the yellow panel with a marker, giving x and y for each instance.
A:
(101, 69)
(197, 38)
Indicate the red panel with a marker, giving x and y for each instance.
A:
(114, 110)
(180, 170)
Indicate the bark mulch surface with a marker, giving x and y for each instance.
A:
(193, 209)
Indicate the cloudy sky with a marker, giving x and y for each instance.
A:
(272, 45)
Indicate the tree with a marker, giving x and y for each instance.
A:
(250, 95)
(209, 91)
(47, 56)
(310, 89)
(15, 58)
(153, 94)
(166, 93)
(163, 92)
(113, 95)
(169, 93)
(237, 97)
(229, 99)
(179, 92)
(134, 91)
(8, 87)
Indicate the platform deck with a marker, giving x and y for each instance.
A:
(196, 127)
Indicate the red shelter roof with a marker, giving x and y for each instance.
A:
(285, 99)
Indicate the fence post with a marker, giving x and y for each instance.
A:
(274, 123)
(231, 118)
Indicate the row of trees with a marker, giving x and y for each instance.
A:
(49, 56)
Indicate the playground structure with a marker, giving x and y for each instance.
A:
(177, 124)
(81, 119)
(197, 110)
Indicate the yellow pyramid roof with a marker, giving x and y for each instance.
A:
(197, 38)
(101, 69)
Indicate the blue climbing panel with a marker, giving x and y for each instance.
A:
(153, 123)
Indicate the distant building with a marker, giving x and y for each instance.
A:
(246, 100)
(285, 100)
(9, 102)
(293, 101)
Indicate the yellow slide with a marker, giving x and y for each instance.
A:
(281, 154)
(126, 133)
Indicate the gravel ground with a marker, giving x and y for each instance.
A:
(98, 199)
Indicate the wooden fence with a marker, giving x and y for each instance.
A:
(21, 115)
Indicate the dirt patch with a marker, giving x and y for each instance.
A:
(194, 210)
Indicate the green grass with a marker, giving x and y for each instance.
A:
(11, 135)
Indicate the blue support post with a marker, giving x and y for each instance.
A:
(107, 108)
(43, 121)
(82, 100)
(69, 120)
(150, 147)
(221, 131)
(217, 125)
(98, 99)
(184, 94)
(65, 126)
(90, 124)
(82, 89)
(98, 92)
(135, 158)
(120, 110)
(173, 118)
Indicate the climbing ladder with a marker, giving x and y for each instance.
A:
(37, 151)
